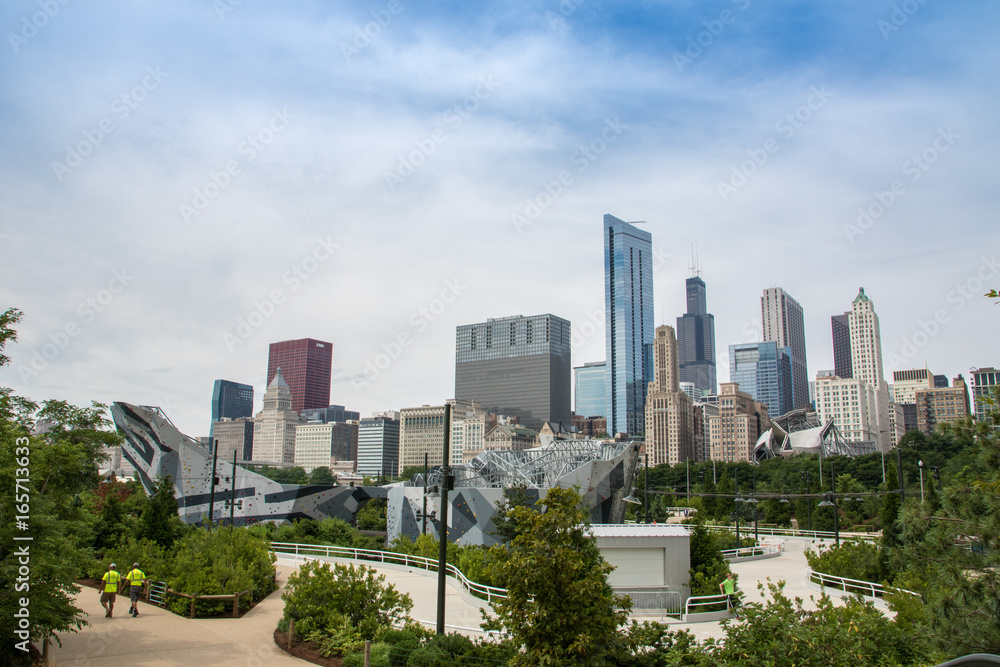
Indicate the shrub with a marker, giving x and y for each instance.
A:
(854, 559)
(319, 592)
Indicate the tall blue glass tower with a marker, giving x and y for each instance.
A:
(764, 370)
(231, 400)
(628, 307)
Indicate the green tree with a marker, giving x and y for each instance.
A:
(159, 521)
(955, 549)
(505, 526)
(560, 609)
(708, 566)
(322, 475)
(373, 515)
(890, 508)
(48, 457)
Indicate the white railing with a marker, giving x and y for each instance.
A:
(647, 601)
(748, 552)
(864, 588)
(795, 532)
(705, 601)
(489, 593)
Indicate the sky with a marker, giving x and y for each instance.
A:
(183, 183)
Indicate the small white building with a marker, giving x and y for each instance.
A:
(653, 556)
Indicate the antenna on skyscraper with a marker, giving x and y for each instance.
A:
(695, 265)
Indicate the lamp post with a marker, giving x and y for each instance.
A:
(645, 488)
(443, 530)
(736, 479)
(827, 503)
(807, 476)
(920, 468)
(753, 501)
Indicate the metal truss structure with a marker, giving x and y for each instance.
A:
(800, 432)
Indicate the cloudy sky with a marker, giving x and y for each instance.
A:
(184, 182)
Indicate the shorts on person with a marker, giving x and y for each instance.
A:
(134, 592)
(107, 596)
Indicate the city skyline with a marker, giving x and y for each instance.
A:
(177, 199)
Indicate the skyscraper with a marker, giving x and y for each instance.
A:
(984, 381)
(841, 328)
(274, 426)
(866, 359)
(784, 324)
(378, 446)
(696, 337)
(764, 371)
(230, 400)
(628, 306)
(669, 411)
(305, 364)
(588, 391)
(516, 366)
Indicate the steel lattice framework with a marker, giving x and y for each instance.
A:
(800, 432)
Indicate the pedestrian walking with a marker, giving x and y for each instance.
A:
(111, 580)
(728, 588)
(136, 578)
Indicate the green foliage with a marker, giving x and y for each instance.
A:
(951, 554)
(505, 528)
(854, 559)
(221, 561)
(322, 475)
(890, 509)
(154, 560)
(380, 656)
(336, 637)
(294, 475)
(784, 633)
(159, 521)
(318, 593)
(409, 471)
(373, 515)
(708, 567)
(329, 530)
(560, 607)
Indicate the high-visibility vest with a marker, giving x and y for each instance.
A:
(111, 579)
(135, 577)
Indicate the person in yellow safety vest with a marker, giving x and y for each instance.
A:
(135, 578)
(111, 579)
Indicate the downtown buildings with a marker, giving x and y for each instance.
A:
(696, 338)
(669, 411)
(305, 364)
(784, 324)
(765, 372)
(628, 307)
(518, 366)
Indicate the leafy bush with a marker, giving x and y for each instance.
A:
(401, 644)
(153, 559)
(319, 592)
(854, 559)
(221, 562)
(380, 657)
(336, 637)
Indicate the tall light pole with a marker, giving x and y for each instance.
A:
(443, 526)
(920, 468)
(645, 489)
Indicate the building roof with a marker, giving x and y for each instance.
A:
(861, 296)
(640, 530)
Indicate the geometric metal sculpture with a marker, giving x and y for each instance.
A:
(155, 448)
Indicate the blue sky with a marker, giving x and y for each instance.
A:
(171, 170)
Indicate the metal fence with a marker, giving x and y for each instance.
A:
(706, 603)
(794, 532)
(488, 593)
(653, 602)
(868, 589)
(157, 593)
(750, 552)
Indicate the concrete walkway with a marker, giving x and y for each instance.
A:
(159, 637)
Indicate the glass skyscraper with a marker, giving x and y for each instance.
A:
(230, 400)
(696, 339)
(588, 390)
(763, 370)
(628, 306)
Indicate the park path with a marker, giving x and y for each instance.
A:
(159, 637)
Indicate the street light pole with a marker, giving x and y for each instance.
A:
(443, 526)
(920, 468)
(736, 479)
(836, 512)
(645, 489)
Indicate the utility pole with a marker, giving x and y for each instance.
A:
(232, 492)
(443, 525)
(423, 530)
(213, 482)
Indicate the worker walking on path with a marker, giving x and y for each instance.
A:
(728, 588)
(136, 578)
(111, 580)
